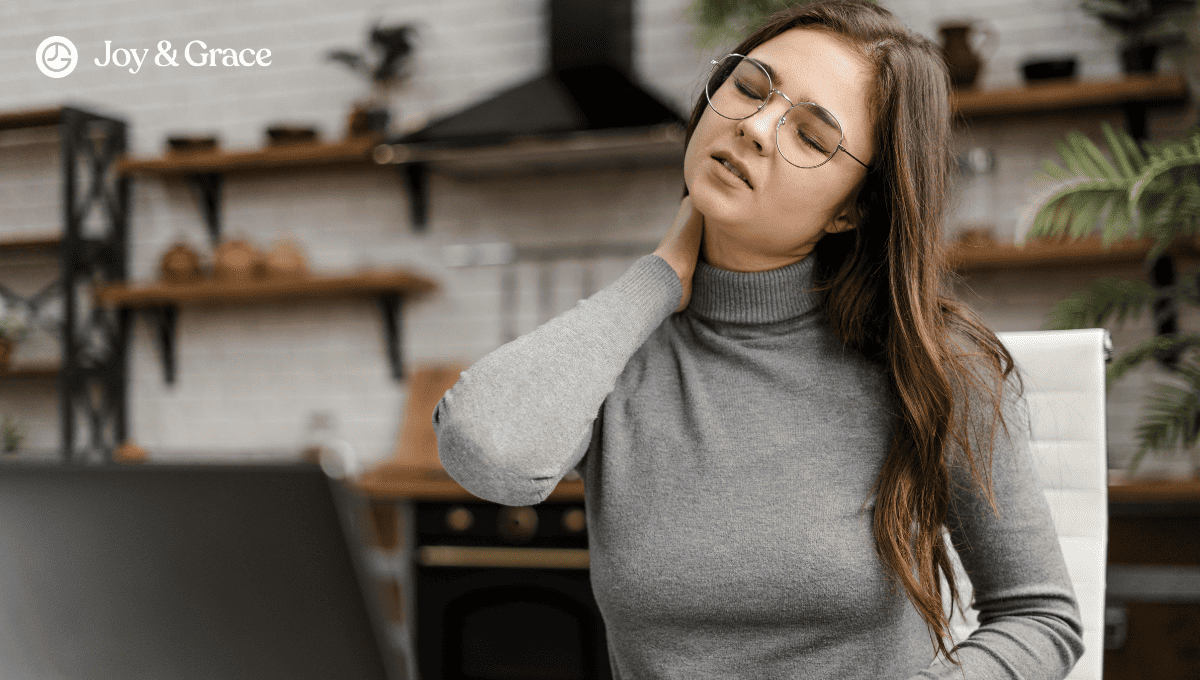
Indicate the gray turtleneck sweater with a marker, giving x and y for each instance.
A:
(727, 451)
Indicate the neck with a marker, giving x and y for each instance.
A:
(723, 252)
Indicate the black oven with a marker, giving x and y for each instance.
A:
(503, 593)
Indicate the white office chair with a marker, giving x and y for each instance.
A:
(1064, 387)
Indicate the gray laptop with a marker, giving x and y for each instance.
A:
(174, 572)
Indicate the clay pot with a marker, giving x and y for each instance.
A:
(286, 260)
(180, 264)
(365, 121)
(962, 60)
(129, 452)
(237, 260)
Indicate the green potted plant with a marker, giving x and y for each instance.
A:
(392, 47)
(1147, 26)
(1145, 190)
(12, 434)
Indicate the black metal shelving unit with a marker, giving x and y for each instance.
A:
(92, 379)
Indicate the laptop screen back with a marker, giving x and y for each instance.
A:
(171, 571)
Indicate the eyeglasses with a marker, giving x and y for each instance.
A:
(807, 134)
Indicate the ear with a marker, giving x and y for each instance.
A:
(847, 219)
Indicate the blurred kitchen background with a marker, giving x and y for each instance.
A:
(254, 379)
(265, 261)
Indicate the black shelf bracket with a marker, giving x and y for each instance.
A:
(416, 176)
(163, 319)
(392, 306)
(207, 186)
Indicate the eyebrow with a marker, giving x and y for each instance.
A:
(779, 85)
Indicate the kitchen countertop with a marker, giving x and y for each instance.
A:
(390, 482)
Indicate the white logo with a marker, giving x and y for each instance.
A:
(57, 56)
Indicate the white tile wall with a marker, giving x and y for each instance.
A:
(249, 376)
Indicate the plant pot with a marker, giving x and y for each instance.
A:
(278, 135)
(364, 121)
(181, 144)
(1036, 69)
(6, 352)
(1139, 58)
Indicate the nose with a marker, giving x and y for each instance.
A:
(760, 128)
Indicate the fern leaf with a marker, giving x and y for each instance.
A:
(1055, 171)
(1169, 421)
(1087, 209)
(1118, 220)
(1075, 141)
(1137, 159)
(1061, 218)
(1159, 345)
(1074, 166)
(1103, 298)
(1108, 212)
(1120, 155)
(1092, 153)
(1050, 214)
(1156, 169)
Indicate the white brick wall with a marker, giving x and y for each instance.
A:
(249, 376)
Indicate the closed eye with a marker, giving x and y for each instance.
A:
(812, 142)
(745, 89)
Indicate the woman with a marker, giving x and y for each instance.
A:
(779, 412)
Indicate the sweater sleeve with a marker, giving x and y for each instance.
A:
(1030, 628)
(521, 417)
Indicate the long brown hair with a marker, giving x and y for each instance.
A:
(886, 291)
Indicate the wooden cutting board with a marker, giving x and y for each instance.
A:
(417, 447)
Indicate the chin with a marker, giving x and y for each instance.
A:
(714, 206)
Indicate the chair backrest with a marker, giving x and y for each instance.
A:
(1063, 375)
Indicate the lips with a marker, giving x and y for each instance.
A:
(735, 167)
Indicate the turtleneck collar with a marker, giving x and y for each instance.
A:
(753, 297)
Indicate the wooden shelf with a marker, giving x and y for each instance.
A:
(1155, 491)
(299, 155)
(160, 301)
(364, 283)
(390, 482)
(30, 371)
(1038, 254)
(16, 120)
(26, 242)
(1065, 95)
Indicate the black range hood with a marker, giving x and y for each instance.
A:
(586, 110)
(581, 98)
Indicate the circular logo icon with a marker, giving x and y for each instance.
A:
(57, 56)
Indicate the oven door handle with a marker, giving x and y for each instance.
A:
(484, 556)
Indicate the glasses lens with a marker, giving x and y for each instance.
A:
(738, 87)
(809, 136)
